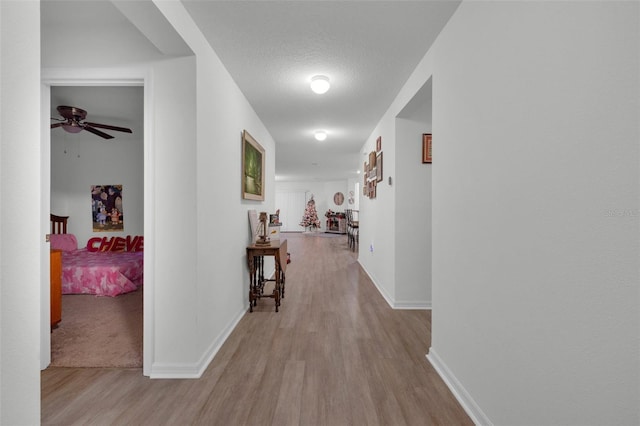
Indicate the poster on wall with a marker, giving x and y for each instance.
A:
(106, 208)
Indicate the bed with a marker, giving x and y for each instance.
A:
(103, 273)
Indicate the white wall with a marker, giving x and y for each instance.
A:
(195, 252)
(59, 33)
(291, 205)
(330, 190)
(395, 227)
(81, 160)
(217, 300)
(175, 288)
(351, 187)
(413, 205)
(171, 348)
(535, 211)
(21, 238)
(535, 225)
(322, 192)
(377, 238)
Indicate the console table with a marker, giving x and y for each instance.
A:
(336, 223)
(255, 260)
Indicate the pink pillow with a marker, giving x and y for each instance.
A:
(64, 242)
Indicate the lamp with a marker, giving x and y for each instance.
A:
(263, 239)
(320, 135)
(320, 84)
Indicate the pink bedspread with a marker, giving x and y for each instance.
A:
(101, 273)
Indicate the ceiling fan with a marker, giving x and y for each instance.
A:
(73, 122)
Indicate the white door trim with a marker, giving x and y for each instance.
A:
(127, 76)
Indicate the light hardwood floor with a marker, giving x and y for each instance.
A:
(335, 354)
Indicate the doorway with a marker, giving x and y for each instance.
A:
(414, 224)
(80, 163)
(103, 78)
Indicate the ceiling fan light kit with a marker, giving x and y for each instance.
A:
(320, 84)
(72, 128)
(72, 122)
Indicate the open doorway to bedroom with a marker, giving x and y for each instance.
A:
(99, 184)
(414, 286)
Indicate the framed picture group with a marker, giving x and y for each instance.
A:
(373, 171)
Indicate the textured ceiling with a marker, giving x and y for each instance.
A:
(367, 48)
(272, 49)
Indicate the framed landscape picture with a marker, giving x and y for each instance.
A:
(252, 168)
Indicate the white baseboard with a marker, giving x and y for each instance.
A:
(415, 305)
(395, 304)
(195, 370)
(381, 290)
(464, 398)
(174, 371)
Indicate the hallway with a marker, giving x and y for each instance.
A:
(335, 354)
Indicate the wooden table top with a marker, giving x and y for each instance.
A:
(272, 244)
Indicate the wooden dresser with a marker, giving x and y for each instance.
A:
(56, 287)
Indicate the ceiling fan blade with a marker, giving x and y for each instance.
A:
(97, 132)
(108, 127)
(54, 125)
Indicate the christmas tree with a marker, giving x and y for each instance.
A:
(310, 218)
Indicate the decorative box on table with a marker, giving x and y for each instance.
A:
(274, 232)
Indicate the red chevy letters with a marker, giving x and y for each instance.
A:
(116, 244)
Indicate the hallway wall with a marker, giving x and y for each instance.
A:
(535, 211)
(192, 296)
(413, 199)
(395, 227)
(21, 237)
(220, 219)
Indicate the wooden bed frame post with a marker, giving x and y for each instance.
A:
(58, 224)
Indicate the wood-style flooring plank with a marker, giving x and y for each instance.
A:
(336, 354)
(289, 403)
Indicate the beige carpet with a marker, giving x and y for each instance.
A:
(99, 331)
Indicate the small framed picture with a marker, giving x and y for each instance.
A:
(379, 167)
(426, 148)
(379, 144)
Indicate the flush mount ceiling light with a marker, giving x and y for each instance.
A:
(320, 135)
(320, 84)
